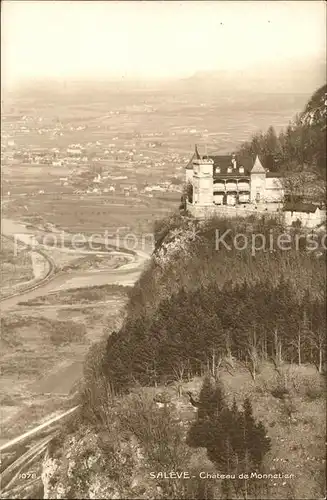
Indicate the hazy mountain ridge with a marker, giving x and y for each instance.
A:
(297, 78)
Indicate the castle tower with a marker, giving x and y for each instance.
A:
(189, 171)
(257, 182)
(202, 180)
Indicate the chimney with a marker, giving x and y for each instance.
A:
(197, 154)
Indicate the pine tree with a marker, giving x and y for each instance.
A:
(256, 442)
(232, 437)
(237, 431)
(272, 146)
(206, 430)
(207, 401)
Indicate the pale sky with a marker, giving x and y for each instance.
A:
(63, 39)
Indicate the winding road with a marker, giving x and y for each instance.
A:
(64, 377)
(126, 275)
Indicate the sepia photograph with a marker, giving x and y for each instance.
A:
(163, 250)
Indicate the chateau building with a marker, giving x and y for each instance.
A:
(235, 186)
(233, 181)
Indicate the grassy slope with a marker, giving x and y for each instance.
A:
(37, 340)
(295, 425)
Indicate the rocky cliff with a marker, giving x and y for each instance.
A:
(315, 112)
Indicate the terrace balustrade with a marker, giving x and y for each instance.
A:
(231, 185)
(231, 191)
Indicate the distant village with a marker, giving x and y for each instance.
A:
(90, 164)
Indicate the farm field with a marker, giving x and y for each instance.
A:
(43, 345)
(78, 213)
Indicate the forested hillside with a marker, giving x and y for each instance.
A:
(196, 304)
(302, 146)
(243, 327)
(228, 313)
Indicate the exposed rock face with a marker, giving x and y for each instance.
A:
(108, 461)
(86, 465)
(315, 112)
(176, 244)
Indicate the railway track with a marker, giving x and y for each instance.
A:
(33, 286)
(21, 458)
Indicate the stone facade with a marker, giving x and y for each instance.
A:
(231, 181)
(203, 182)
(202, 212)
(230, 186)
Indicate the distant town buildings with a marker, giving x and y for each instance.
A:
(124, 164)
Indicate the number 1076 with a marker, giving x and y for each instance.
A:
(27, 475)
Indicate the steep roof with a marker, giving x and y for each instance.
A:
(300, 207)
(270, 175)
(257, 167)
(247, 162)
(225, 161)
(196, 156)
(196, 153)
(189, 166)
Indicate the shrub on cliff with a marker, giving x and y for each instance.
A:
(235, 443)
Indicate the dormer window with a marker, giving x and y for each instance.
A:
(229, 169)
(241, 170)
(217, 170)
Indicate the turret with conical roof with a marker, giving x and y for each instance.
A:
(257, 167)
(189, 166)
(258, 182)
(202, 179)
